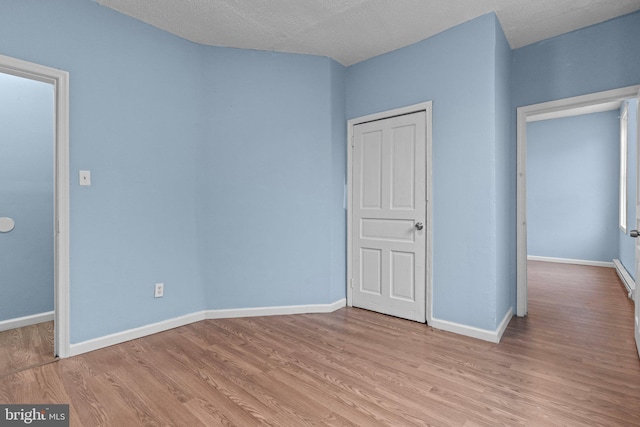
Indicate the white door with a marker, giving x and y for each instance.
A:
(636, 296)
(389, 216)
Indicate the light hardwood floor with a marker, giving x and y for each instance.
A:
(571, 362)
(26, 347)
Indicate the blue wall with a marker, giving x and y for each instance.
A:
(273, 172)
(26, 196)
(505, 151)
(212, 166)
(597, 58)
(573, 174)
(463, 70)
(627, 248)
(593, 59)
(338, 206)
(135, 124)
(216, 171)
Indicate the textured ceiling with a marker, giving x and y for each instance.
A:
(351, 31)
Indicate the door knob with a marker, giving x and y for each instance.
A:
(419, 226)
(634, 233)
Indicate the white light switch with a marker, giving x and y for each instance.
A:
(85, 178)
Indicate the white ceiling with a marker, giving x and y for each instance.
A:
(351, 31)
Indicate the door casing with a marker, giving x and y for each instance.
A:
(60, 81)
(427, 108)
(636, 294)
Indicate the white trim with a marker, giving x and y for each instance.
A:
(153, 328)
(635, 217)
(427, 107)
(626, 278)
(20, 322)
(275, 311)
(624, 167)
(470, 331)
(504, 324)
(521, 215)
(527, 114)
(350, 147)
(578, 111)
(571, 261)
(60, 81)
(132, 334)
(429, 222)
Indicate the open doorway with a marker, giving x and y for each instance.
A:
(27, 232)
(573, 176)
(601, 101)
(33, 303)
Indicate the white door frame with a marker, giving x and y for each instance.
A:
(427, 108)
(547, 110)
(60, 81)
(635, 297)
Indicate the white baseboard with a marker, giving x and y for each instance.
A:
(142, 331)
(20, 322)
(275, 311)
(503, 325)
(470, 331)
(570, 261)
(131, 334)
(626, 278)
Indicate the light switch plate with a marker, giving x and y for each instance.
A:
(85, 178)
(159, 290)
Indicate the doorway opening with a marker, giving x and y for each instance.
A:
(59, 81)
(601, 101)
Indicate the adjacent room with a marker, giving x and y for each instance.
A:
(225, 212)
(26, 245)
(581, 187)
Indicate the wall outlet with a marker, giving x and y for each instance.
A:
(159, 290)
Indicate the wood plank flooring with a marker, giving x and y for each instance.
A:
(26, 347)
(571, 362)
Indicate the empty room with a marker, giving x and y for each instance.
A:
(303, 212)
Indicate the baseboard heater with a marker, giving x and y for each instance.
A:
(626, 278)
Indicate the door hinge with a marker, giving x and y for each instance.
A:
(351, 283)
(353, 142)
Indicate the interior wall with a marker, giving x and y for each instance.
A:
(134, 123)
(274, 158)
(338, 183)
(215, 171)
(505, 151)
(146, 108)
(457, 69)
(593, 59)
(26, 196)
(627, 248)
(573, 175)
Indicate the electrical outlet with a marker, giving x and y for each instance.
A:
(159, 290)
